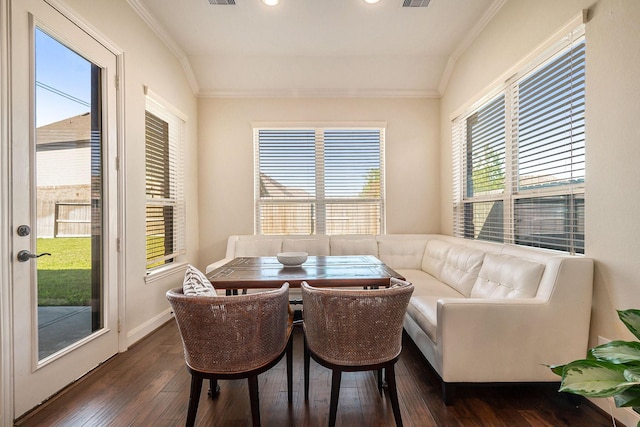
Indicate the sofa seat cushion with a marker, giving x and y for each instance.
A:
(427, 285)
(424, 311)
(505, 276)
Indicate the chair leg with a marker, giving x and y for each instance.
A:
(336, 377)
(380, 381)
(393, 394)
(307, 361)
(194, 399)
(214, 388)
(255, 400)
(290, 369)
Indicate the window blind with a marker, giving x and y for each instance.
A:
(165, 222)
(519, 156)
(319, 181)
(549, 132)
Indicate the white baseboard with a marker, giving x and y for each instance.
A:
(147, 327)
(627, 416)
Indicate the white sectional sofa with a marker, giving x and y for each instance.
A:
(481, 312)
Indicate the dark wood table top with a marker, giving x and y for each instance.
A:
(327, 271)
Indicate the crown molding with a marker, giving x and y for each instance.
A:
(320, 93)
(466, 42)
(153, 24)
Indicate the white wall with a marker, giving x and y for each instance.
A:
(612, 229)
(226, 159)
(147, 61)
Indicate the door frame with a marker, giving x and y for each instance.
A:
(6, 296)
(7, 414)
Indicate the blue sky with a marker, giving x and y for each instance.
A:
(63, 81)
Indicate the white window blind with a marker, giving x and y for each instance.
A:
(319, 180)
(519, 156)
(165, 222)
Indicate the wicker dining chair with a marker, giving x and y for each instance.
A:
(355, 330)
(233, 337)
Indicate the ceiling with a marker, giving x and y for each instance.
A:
(317, 47)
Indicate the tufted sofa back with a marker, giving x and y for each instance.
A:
(473, 268)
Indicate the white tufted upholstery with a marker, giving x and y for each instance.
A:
(315, 247)
(258, 247)
(401, 253)
(354, 246)
(461, 267)
(504, 276)
(435, 255)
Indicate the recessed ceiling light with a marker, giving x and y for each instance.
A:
(372, 1)
(270, 2)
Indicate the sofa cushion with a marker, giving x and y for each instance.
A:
(258, 247)
(461, 267)
(427, 285)
(401, 253)
(504, 276)
(424, 311)
(195, 283)
(352, 246)
(317, 246)
(435, 255)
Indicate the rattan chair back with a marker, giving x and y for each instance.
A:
(355, 327)
(231, 334)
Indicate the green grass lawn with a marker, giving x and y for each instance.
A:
(64, 278)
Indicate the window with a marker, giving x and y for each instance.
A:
(164, 184)
(519, 156)
(319, 180)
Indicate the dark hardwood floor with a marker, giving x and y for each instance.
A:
(149, 386)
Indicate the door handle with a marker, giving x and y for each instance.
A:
(24, 255)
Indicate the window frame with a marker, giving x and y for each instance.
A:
(176, 123)
(318, 221)
(505, 224)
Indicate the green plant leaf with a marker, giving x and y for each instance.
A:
(618, 352)
(632, 373)
(556, 369)
(631, 319)
(594, 378)
(629, 397)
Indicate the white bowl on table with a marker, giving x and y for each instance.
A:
(292, 259)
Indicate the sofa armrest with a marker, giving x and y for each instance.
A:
(509, 339)
(217, 264)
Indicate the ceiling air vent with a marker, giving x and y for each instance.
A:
(416, 3)
(228, 2)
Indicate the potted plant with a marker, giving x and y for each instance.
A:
(610, 370)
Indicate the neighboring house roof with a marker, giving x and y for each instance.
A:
(68, 133)
(269, 187)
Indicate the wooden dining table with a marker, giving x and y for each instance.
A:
(320, 271)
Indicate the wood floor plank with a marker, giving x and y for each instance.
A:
(149, 386)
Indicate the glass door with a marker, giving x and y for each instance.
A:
(64, 202)
(68, 227)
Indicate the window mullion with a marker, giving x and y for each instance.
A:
(511, 159)
(321, 205)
